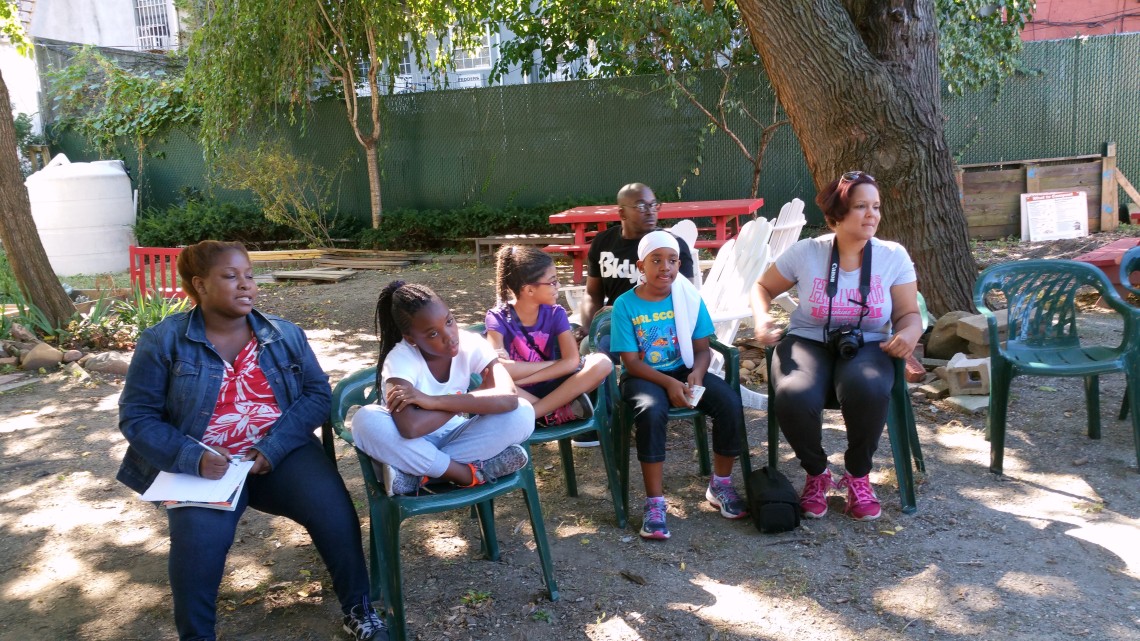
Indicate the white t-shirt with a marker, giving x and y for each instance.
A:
(406, 362)
(806, 264)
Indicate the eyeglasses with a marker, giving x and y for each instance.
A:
(644, 207)
(856, 175)
(552, 283)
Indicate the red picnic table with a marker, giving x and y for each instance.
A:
(725, 215)
(1108, 258)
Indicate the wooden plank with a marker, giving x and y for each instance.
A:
(1109, 207)
(991, 232)
(994, 176)
(1009, 163)
(328, 275)
(1127, 186)
(361, 263)
(285, 254)
(1032, 179)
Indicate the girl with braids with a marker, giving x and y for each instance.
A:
(426, 424)
(248, 385)
(530, 328)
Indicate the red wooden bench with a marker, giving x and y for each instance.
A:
(155, 269)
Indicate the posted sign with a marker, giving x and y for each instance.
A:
(1055, 215)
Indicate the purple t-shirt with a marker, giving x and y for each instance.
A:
(544, 333)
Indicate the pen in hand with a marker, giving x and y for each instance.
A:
(229, 459)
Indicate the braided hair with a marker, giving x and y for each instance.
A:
(517, 266)
(398, 303)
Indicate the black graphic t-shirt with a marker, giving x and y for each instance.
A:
(614, 260)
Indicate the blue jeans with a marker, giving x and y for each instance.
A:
(305, 487)
(651, 413)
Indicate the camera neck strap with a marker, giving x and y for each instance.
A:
(833, 284)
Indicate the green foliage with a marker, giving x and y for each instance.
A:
(412, 229)
(100, 329)
(104, 102)
(980, 40)
(248, 58)
(11, 28)
(25, 137)
(293, 191)
(195, 221)
(145, 310)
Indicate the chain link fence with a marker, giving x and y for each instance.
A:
(527, 144)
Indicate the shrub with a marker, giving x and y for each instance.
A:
(195, 221)
(433, 229)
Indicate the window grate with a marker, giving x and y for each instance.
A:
(152, 24)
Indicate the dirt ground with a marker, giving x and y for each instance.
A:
(1049, 551)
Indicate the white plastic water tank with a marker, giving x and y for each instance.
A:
(84, 212)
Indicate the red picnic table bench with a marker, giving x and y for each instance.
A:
(725, 215)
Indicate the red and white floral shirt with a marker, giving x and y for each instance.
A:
(246, 407)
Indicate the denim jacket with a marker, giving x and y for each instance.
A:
(172, 388)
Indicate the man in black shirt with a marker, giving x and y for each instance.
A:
(612, 259)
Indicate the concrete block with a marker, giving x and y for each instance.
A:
(975, 330)
(969, 404)
(934, 389)
(978, 350)
(968, 376)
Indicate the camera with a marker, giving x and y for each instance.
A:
(845, 341)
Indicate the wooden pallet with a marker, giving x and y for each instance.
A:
(285, 254)
(361, 263)
(324, 274)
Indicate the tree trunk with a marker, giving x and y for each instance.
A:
(374, 184)
(18, 232)
(859, 81)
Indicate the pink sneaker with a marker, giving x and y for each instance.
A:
(862, 503)
(813, 500)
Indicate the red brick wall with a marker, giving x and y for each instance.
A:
(1055, 19)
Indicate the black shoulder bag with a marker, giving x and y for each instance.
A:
(773, 502)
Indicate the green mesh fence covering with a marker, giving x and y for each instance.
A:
(526, 144)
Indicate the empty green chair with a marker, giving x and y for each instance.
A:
(1129, 264)
(387, 513)
(1040, 299)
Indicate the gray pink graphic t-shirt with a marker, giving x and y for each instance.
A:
(806, 263)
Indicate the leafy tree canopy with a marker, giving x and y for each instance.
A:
(249, 57)
(980, 39)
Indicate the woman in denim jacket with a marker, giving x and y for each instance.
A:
(247, 385)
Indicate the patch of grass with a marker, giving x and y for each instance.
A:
(475, 597)
(542, 615)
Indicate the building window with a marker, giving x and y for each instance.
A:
(152, 24)
(477, 58)
(404, 67)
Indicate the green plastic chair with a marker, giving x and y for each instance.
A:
(1129, 263)
(623, 418)
(901, 431)
(1040, 296)
(564, 433)
(387, 513)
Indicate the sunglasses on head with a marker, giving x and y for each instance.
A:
(855, 175)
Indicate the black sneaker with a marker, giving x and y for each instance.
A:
(364, 624)
(585, 439)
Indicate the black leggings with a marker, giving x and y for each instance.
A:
(805, 374)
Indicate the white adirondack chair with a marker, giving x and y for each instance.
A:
(785, 233)
(737, 267)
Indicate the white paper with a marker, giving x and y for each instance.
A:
(186, 487)
(695, 393)
(1054, 215)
